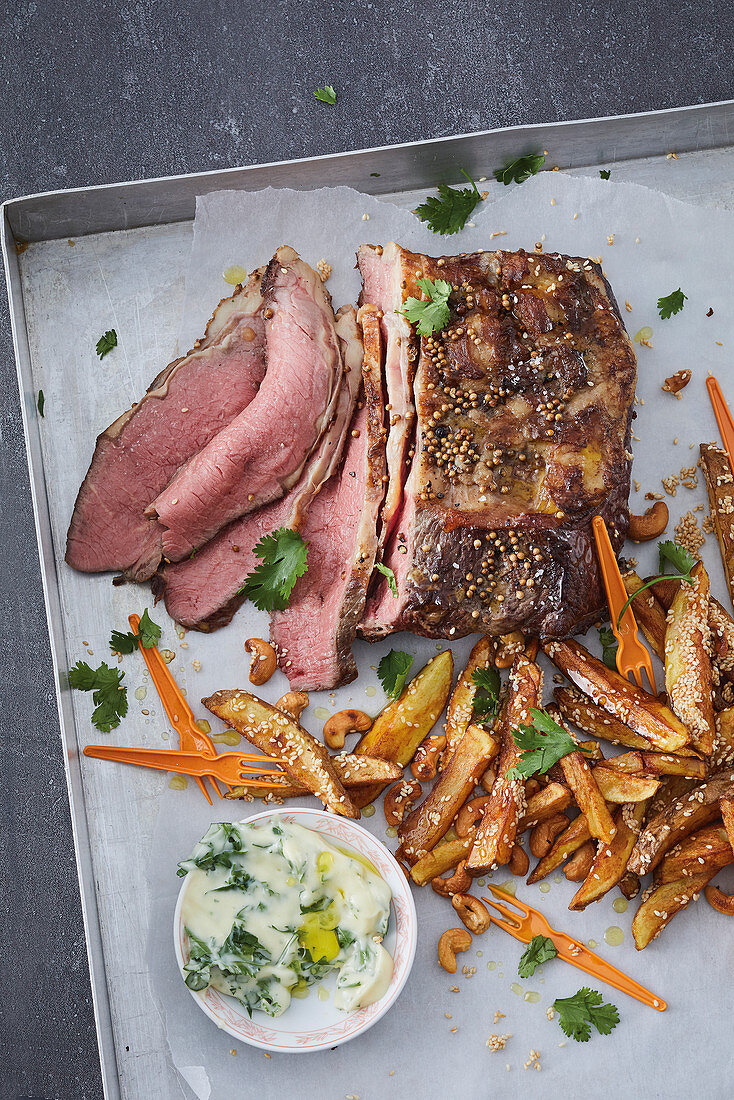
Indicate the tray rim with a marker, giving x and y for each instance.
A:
(719, 112)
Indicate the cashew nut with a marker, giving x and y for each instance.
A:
(543, 835)
(579, 865)
(472, 912)
(458, 883)
(453, 940)
(519, 862)
(293, 703)
(509, 647)
(470, 815)
(399, 799)
(650, 525)
(721, 902)
(264, 660)
(425, 761)
(344, 722)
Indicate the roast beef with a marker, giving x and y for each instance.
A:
(203, 591)
(261, 453)
(313, 637)
(135, 458)
(524, 407)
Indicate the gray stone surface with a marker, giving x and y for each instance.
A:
(101, 91)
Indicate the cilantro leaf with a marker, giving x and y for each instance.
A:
(678, 556)
(283, 555)
(604, 173)
(123, 643)
(449, 213)
(486, 698)
(41, 402)
(392, 670)
(326, 95)
(106, 343)
(539, 950)
(387, 572)
(431, 313)
(148, 631)
(543, 744)
(672, 303)
(109, 698)
(576, 1014)
(609, 647)
(520, 169)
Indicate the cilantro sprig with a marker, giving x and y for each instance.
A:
(387, 572)
(148, 634)
(543, 744)
(671, 303)
(680, 558)
(283, 559)
(392, 671)
(449, 212)
(326, 95)
(539, 950)
(106, 343)
(605, 173)
(110, 696)
(520, 169)
(432, 313)
(577, 1014)
(485, 703)
(608, 646)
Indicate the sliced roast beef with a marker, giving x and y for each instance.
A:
(261, 453)
(135, 458)
(524, 405)
(388, 277)
(203, 591)
(313, 636)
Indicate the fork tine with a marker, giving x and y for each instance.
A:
(512, 919)
(647, 666)
(637, 677)
(265, 769)
(510, 899)
(202, 787)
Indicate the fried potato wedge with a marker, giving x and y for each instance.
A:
(682, 817)
(659, 907)
(687, 665)
(552, 799)
(353, 771)
(643, 713)
(275, 732)
(620, 786)
(610, 862)
(726, 806)
(658, 763)
(498, 828)
(580, 778)
(649, 612)
(723, 752)
(447, 854)
(578, 708)
(707, 850)
(720, 486)
(459, 712)
(564, 846)
(428, 822)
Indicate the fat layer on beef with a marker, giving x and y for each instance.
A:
(524, 408)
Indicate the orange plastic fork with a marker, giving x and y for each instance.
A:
(632, 656)
(229, 767)
(528, 922)
(723, 416)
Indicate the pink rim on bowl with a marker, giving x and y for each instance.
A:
(232, 1017)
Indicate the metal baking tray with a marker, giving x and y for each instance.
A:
(153, 217)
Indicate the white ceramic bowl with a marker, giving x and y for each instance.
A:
(311, 1023)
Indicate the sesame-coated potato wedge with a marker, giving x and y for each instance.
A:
(498, 827)
(723, 753)
(644, 713)
(275, 732)
(428, 822)
(687, 665)
(620, 786)
(649, 612)
(707, 850)
(578, 708)
(580, 778)
(447, 854)
(659, 907)
(353, 771)
(564, 846)
(717, 474)
(610, 862)
(658, 763)
(726, 805)
(552, 799)
(459, 710)
(679, 819)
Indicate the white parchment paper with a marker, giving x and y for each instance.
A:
(433, 1043)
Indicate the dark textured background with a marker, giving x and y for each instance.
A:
(94, 92)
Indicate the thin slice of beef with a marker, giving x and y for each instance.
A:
(203, 592)
(313, 636)
(261, 454)
(184, 408)
(524, 408)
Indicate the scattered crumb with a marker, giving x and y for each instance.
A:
(675, 440)
(324, 270)
(468, 971)
(454, 1030)
(498, 1042)
(708, 525)
(671, 156)
(448, 1015)
(627, 306)
(636, 484)
(670, 484)
(268, 1055)
(718, 343)
(688, 533)
(498, 233)
(454, 989)
(498, 1016)
(610, 238)
(533, 1061)
(653, 496)
(391, 1073)
(550, 1013)
(233, 1051)
(196, 664)
(710, 311)
(365, 217)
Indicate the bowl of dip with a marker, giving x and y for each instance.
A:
(295, 930)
